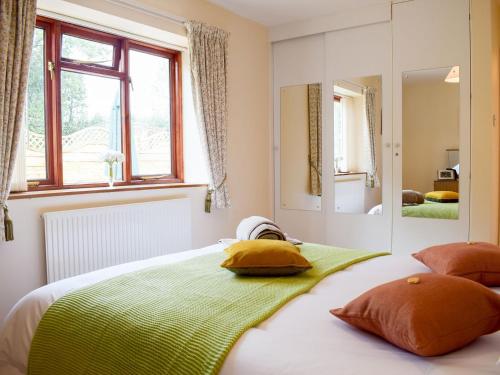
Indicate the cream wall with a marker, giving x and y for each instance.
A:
(249, 152)
(484, 131)
(495, 96)
(430, 126)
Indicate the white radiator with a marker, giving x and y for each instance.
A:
(85, 240)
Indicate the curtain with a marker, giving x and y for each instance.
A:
(19, 180)
(17, 22)
(208, 58)
(369, 101)
(315, 123)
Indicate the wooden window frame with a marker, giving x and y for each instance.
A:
(53, 32)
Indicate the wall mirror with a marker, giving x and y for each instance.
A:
(357, 145)
(300, 147)
(430, 149)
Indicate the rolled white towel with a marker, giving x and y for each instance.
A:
(258, 227)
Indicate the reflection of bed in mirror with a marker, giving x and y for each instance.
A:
(428, 209)
(430, 147)
(432, 205)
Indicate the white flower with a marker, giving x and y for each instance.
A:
(113, 156)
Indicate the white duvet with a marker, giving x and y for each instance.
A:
(301, 338)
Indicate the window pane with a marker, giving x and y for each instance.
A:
(338, 137)
(91, 125)
(87, 51)
(150, 114)
(36, 167)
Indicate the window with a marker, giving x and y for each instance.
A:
(36, 166)
(88, 52)
(150, 117)
(339, 135)
(90, 92)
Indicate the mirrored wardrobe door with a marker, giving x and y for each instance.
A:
(357, 145)
(431, 124)
(298, 95)
(358, 126)
(430, 149)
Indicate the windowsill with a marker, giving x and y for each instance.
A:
(93, 190)
(338, 174)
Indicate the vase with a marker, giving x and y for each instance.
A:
(111, 175)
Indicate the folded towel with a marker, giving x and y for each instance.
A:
(258, 227)
(293, 241)
(228, 241)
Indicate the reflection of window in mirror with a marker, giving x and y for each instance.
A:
(431, 118)
(357, 145)
(340, 154)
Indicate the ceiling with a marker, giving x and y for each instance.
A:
(276, 12)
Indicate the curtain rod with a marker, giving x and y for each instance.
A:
(150, 11)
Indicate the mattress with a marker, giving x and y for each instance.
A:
(301, 338)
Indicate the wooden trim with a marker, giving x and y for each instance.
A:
(49, 83)
(152, 49)
(179, 135)
(166, 180)
(126, 129)
(57, 128)
(120, 70)
(51, 98)
(103, 189)
(90, 69)
(93, 36)
(175, 79)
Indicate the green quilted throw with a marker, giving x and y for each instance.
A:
(432, 210)
(180, 318)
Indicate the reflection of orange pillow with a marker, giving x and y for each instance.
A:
(478, 261)
(426, 314)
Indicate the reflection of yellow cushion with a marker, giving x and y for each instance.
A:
(442, 196)
(265, 258)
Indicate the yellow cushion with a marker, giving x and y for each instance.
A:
(265, 258)
(260, 244)
(442, 196)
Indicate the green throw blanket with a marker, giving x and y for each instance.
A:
(432, 210)
(180, 318)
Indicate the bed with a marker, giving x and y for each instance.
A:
(301, 338)
(430, 210)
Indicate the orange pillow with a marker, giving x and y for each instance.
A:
(426, 314)
(478, 261)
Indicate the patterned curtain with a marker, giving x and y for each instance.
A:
(208, 58)
(19, 180)
(315, 123)
(17, 22)
(369, 96)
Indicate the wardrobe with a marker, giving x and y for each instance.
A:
(374, 104)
